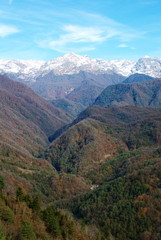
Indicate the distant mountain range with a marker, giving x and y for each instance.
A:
(71, 63)
(57, 78)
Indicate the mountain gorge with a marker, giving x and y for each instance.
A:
(118, 151)
(99, 176)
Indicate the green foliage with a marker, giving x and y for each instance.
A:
(126, 204)
(1, 183)
(1, 234)
(35, 204)
(19, 194)
(27, 232)
(147, 135)
(6, 214)
(57, 224)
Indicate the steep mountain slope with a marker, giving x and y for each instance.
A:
(119, 151)
(70, 107)
(145, 94)
(51, 86)
(26, 121)
(98, 134)
(126, 204)
(86, 93)
(137, 77)
(31, 106)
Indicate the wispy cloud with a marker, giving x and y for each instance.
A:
(81, 38)
(98, 30)
(6, 30)
(122, 45)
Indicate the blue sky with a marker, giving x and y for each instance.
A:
(107, 29)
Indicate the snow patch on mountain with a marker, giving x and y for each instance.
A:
(149, 66)
(71, 63)
(21, 69)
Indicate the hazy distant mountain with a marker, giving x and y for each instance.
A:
(145, 94)
(149, 66)
(56, 78)
(86, 93)
(137, 77)
(51, 86)
(70, 107)
(72, 63)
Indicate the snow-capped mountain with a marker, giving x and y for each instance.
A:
(149, 66)
(26, 70)
(71, 63)
(77, 78)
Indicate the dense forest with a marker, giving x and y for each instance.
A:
(96, 178)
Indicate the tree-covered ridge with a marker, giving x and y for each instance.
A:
(23, 218)
(126, 205)
(99, 133)
(143, 94)
(104, 167)
(124, 201)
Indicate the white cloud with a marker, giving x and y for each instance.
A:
(96, 30)
(122, 45)
(82, 34)
(6, 30)
(81, 38)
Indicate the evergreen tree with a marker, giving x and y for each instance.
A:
(27, 232)
(19, 194)
(1, 183)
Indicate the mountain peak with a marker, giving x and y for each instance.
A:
(72, 63)
(71, 54)
(146, 57)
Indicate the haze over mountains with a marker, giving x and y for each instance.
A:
(75, 78)
(58, 77)
(72, 63)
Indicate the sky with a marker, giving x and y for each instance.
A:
(105, 29)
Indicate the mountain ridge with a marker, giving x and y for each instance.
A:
(143, 93)
(72, 63)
